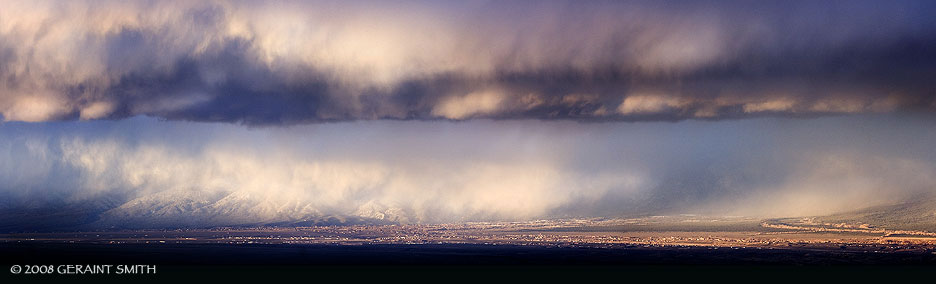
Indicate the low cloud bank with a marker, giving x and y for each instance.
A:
(147, 173)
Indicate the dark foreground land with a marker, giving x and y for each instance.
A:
(650, 248)
(467, 260)
(432, 254)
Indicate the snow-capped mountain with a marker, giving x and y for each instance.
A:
(190, 209)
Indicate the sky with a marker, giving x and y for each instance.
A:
(150, 114)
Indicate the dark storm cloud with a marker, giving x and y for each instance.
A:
(307, 61)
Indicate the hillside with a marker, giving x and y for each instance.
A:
(918, 214)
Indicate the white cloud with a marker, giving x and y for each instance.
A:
(643, 103)
(96, 110)
(777, 105)
(34, 108)
(461, 107)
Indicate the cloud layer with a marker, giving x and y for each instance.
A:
(144, 173)
(291, 62)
